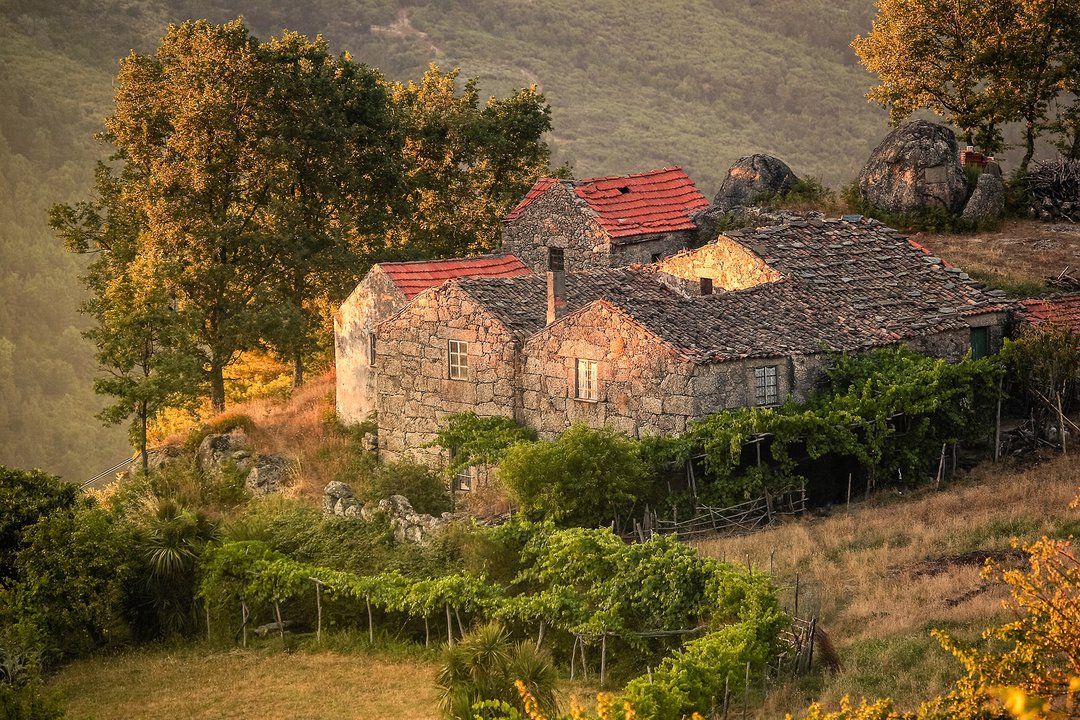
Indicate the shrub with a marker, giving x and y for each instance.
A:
(427, 491)
(76, 574)
(26, 497)
(585, 477)
(473, 440)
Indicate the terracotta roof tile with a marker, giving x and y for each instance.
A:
(412, 278)
(644, 203)
(535, 191)
(657, 201)
(1064, 310)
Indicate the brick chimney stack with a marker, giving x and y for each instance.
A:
(556, 285)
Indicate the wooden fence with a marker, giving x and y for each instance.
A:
(741, 519)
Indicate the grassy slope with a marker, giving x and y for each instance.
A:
(188, 683)
(881, 575)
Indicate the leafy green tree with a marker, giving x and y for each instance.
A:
(937, 56)
(334, 175)
(136, 331)
(585, 476)
(979, 64)
(464, 167)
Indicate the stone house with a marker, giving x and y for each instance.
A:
(386, 289)
(751, 318)
(605, 222)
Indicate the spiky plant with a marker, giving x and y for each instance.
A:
(484, 666)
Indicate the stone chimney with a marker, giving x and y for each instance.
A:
(706, 286)
(556, 285)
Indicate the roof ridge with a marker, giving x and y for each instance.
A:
(645, 173)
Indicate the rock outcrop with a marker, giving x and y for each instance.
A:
(408, 526)
(988, 200)
(270, 473)
(916, 167)
(263, 474)
(339, 500)
(752, 177)
(218, 449)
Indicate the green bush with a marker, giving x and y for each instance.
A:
(76, 575)
(29, 702)
(585, 477)
(427, 491)
(26, 497)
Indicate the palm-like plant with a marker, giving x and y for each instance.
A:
(484, 666)
(172, 540)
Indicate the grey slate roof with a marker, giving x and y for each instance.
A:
(846, 285)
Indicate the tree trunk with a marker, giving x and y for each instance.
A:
(217, 386)
(144, 459)
(298, 370)
(1029, 146)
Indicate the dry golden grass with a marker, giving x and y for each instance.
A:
(891, 565)
(149, 685)
(1021, 255)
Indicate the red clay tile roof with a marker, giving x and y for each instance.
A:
(1064, 310)
(657, 201)
(534, 192)
(412, 278)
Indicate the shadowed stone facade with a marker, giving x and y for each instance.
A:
(374, 299)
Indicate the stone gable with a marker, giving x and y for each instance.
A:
(557, 218)
(414, 390)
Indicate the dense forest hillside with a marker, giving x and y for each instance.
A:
(632, 86)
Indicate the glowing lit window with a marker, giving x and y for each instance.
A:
(765, 389)
(458, 356)
(586, 381)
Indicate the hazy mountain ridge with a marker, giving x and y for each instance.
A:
(632, 87)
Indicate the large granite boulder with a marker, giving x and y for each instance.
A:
(753, 177)
(217, 449)
(340, 501)
(916, 167)
(988, 200)
(270, 473)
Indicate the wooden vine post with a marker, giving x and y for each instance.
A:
(280, 624)
(318, 608)
(603, 658)
(244, 619)
(370, 621)
(449, 627)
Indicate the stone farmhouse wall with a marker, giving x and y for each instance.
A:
(641, 381)
(415, 392)
(646, 249)
(953, 345)
(730, 265)
(374, 299)
(559, 218)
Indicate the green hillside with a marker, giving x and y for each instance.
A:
(632, 86)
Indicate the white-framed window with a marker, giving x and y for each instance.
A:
(586, 387)
(458, 360)
(371, 349)
(765, 388)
